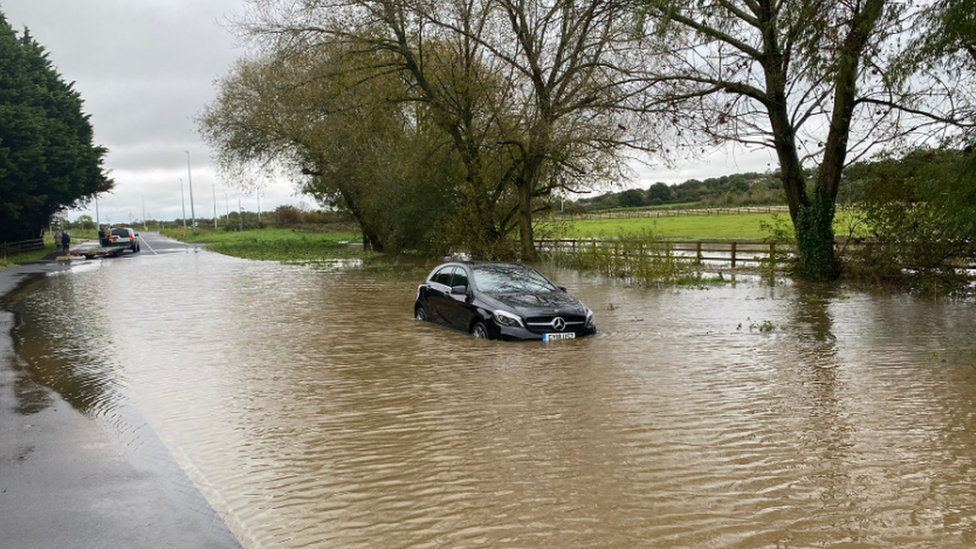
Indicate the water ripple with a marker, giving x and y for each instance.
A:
(314, 412)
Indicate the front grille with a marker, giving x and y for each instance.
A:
(543, 324)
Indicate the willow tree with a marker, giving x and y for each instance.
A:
(534, 95)
(809, 79)
(311, 118)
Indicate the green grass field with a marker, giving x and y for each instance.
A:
(273, 244)
(705, 227)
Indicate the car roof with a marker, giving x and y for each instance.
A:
(478, 263)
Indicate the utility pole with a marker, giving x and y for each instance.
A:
(240, 215)
(189, 176)
(183, 202)
(144, 226)
(215, 205)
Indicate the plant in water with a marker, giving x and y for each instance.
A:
(641, 257)
(781, 237)
(763, 327)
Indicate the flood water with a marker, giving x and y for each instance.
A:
(312, 411)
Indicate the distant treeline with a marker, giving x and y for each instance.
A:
(282, 217)
(741, 189)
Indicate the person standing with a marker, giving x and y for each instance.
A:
(66, 242)
(57, 240)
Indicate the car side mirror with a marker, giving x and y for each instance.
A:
(459, 290)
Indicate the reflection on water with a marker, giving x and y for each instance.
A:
(313, 411)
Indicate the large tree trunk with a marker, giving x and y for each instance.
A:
(371, 240)
(815, 225)
(526, 184)
(812, 222)
(813, 219)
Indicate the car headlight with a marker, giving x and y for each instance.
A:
(505, 318)
(589, 319)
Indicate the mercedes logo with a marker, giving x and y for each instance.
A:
(559, 324)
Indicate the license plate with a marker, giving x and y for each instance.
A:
(553, 337)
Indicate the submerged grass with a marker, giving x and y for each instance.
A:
(645, 259)
(276, 244)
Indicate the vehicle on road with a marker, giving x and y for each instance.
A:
(501, 301)
(124, 237)
(112, 242)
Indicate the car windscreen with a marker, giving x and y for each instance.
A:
(510, 279)
(120, 232)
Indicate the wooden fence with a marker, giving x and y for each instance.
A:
(734, 253)
(672, 212)
(14, 248)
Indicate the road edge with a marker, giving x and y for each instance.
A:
(65, 481)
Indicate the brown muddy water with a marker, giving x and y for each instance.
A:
(313, 411)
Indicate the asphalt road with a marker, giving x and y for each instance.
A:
(65, 480)
(150, 243)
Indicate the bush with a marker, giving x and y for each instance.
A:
(921, 213)
(287, 216)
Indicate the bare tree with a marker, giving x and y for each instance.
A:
(808, 79)
(534, 95)
(312, 118)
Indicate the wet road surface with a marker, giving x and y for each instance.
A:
(68, 482)
(312, 411)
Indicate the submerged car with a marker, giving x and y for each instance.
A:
(501, 301)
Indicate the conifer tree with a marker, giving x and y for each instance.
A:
(48, 160)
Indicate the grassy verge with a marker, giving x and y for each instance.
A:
(274, 244)
(7, 261)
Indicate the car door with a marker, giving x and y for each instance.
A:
(455, 306)
(439, 294)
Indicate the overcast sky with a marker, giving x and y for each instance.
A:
(146, 69)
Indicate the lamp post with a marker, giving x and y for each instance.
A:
(189, 176)
(183, 203)
(215, 205)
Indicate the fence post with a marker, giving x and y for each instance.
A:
(733, 254)
(772, 257)
(698, 252)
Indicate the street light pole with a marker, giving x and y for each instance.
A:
(189, 176)
(215, 205)
(183, 203)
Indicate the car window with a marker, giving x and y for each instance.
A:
(505, 279)
(443, 276)
(121, 232)
(460, 278)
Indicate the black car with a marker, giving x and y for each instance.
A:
(501, 301)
